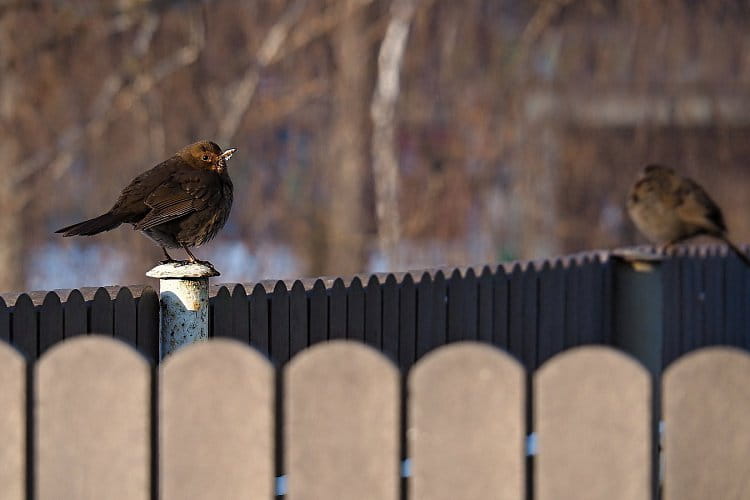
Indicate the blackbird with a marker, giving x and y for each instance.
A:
(668, 208)
(181, 202)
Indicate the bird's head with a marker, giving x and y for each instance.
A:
(207, 155)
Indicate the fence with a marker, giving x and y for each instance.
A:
(340, 426)
(532, 309)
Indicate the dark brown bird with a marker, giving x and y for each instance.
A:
(669, 208)
(181, 202)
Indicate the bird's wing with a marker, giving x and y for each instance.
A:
(174, 199)
(696, 207)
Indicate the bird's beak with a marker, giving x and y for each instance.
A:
(227, 154)
(223, 157)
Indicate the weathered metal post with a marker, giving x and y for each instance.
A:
(183, 304)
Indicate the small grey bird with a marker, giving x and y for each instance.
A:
(668, 208)
(180, 203)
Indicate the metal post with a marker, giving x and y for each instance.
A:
(183, 304)
(639, 307)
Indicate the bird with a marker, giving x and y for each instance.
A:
(668, 208)
(182, 202)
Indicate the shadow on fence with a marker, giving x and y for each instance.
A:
(347, 426)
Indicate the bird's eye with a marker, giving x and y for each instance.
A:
(205, 157)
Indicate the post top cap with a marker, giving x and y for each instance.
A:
(182, 270)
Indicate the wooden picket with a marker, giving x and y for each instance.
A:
(467, 424)
(592, 413)
(706, 403)
(13, 424)
(92, 425)
(87, 429)
(216, 423)
(341, 424)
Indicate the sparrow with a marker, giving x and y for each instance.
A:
(180, 203)
(668, 208)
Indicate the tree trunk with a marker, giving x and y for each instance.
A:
(11, 198)
(383, 112)
(346, 168)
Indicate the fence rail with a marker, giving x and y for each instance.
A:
(532, 309)
(339, 425)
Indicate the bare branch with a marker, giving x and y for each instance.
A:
(115, 97)
(247, 85)
(280, 42)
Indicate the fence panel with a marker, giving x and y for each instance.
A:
(4, 321)
(407, 300)
(714, 296)
(515, 312)
(373, 314)
(148, 324)
(530, 317)
(259, 335)
(93, 404)
(706, 403)
(318, 313)
(280, 323)
(551, 310)
(216, 423)
(425, 315)
(337, 310)
(341, 424)
(240, 314)
(484, 306)
(592, 412)
(500, 325)
(298, 333)
(457, 320)
(467, 425)
(734, 305)
(355, 304)
(25, 334)
(12, 424)
(125, 319)
(222, 314)
(50, 322)
(101, 320)
(390, 318)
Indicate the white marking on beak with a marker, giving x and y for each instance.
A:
(227, 154)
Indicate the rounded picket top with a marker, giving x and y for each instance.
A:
(466, 428)
(216, 421)
(705, 404)
(93, 427)
(341, 423)
(593, 423)
(12, 423)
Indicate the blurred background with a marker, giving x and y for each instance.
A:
(373, 135)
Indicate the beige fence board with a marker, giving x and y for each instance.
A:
(467, 425)
(216, 422)
(342, 420)
(592, 418)
(706, 408)
(12, 424)
(93, 403)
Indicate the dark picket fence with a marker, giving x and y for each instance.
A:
(531, 309)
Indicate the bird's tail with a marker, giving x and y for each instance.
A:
(92, 226)
(737, 250)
